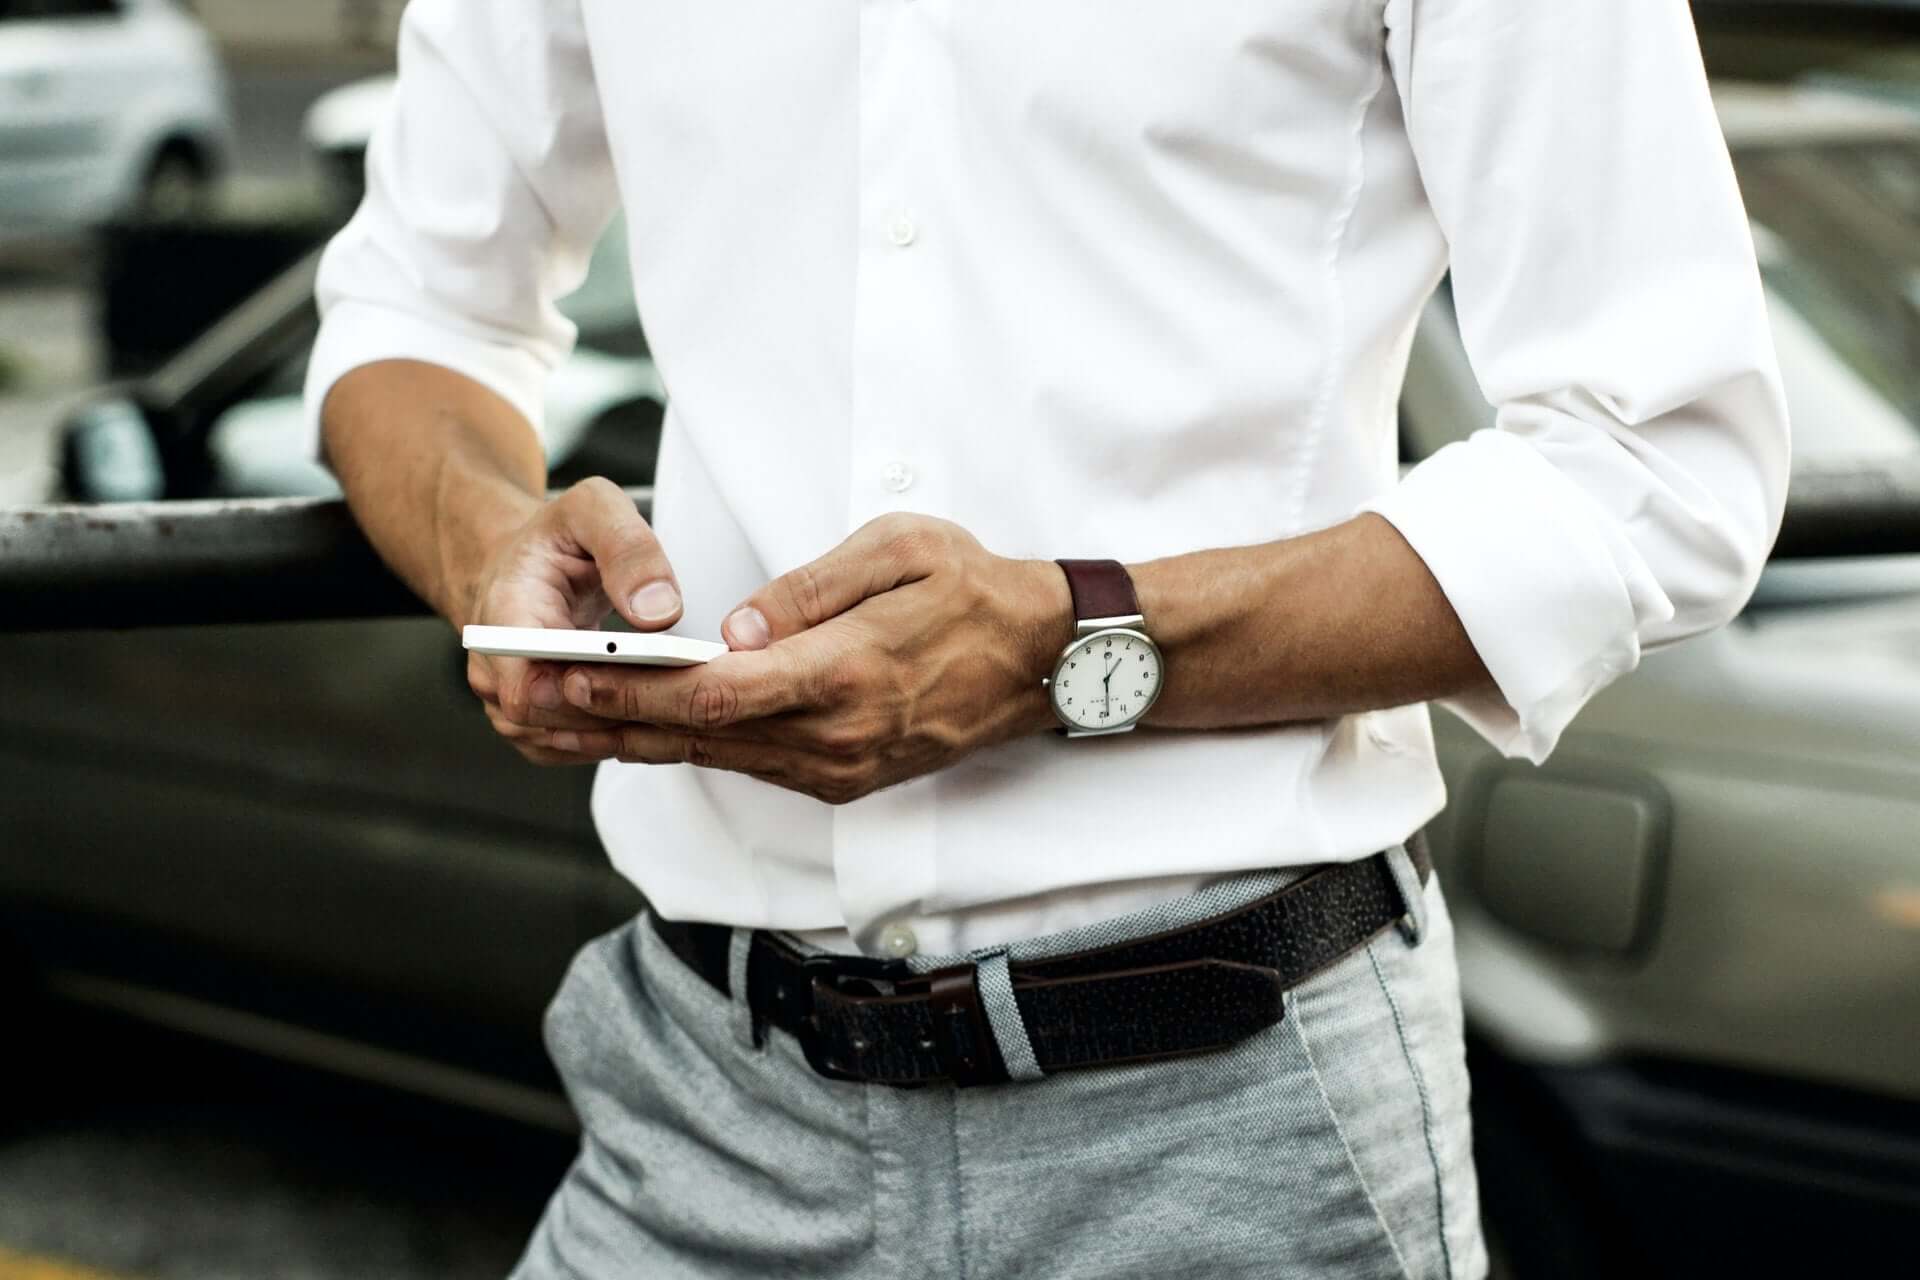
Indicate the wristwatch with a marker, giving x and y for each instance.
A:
(1105, 680)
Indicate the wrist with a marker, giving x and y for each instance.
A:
(1046, 617)
(1169, 590)
(1044, 627)
(470, 540)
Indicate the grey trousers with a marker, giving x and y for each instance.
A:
(1334, 1144)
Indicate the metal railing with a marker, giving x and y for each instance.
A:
(304, 559)
(148, 564)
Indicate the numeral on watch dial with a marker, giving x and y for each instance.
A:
(1091, 690)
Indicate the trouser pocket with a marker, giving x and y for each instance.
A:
(1384, 1032)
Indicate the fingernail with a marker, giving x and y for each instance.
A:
(579, 690)
(656, 602)
(546, 693)
(566, 740)
(746, 628)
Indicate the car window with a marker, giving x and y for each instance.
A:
(1833, 229)
(1838, 414)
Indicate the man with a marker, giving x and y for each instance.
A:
(947, 291)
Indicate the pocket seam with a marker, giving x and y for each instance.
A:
(1426, 1107)
(1333, 1115)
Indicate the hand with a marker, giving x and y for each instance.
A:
(581, 554)
(894, 655)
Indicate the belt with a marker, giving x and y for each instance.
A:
(1194, 989)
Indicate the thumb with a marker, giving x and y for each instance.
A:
(877, 557)
(601, 518)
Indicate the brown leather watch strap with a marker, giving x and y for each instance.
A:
(1101, 589)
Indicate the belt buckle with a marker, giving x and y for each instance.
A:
(835, 972)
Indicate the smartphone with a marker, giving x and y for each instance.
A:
(555, 644)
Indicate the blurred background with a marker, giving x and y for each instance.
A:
(277, 926)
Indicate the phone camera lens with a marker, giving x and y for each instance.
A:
(609, 646)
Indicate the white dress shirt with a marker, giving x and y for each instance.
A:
(1103, 278)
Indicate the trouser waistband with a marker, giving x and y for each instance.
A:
(1021, 1012)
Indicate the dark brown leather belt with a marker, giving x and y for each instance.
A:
(1189, 990)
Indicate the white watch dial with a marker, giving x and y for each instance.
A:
(1106, 680)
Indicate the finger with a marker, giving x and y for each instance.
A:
(548, 756)
(634, 570)
(648, 744)
(878, 556)
(483, 679)
(538, 745)
(833, 781)
(526, 692)
(520, 731)
(731, 690)
(607, 738)
(565, 718)
(564, 746)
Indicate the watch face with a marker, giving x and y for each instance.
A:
(1106, 680)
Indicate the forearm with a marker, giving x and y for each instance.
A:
(436, 468)
(1342, 620)
(910, 645)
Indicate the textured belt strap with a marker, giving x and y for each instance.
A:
(1187, 990)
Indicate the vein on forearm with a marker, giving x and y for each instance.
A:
(435, 467)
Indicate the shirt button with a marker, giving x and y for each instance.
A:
(898, 941)
(902, 231)
(897, 476)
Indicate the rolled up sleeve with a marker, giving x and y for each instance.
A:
(1604, 274)
(488, 182)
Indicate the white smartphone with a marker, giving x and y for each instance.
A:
(556, 644)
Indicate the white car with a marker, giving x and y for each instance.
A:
(337, 127)
(237, 389)
(1689, 943)
(107, 108)
(255, 446)
(607, 393)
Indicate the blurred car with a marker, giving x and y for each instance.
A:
(328, 857)
(223, 417)
(108, 108)
(601, 415)
(1688, 942)
(337, 127)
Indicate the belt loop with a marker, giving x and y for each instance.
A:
(1003, 1015)
(1406, 879)
(749, 1031)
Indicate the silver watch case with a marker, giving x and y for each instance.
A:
(1129, 625)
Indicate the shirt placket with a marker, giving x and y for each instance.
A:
(884, 844)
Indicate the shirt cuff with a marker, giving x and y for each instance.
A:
(1533, 568)
(356, 333)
